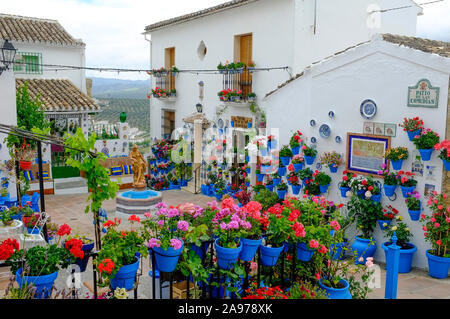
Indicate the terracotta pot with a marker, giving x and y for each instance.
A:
(25, 165)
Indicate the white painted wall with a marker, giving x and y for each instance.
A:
(56, 55)
(379, 71)
(8, 115)
(117, 147)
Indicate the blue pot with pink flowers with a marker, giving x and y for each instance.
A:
(249, 248)
(226, 257)
(407, 191)
(411, 134)
(167, 259)
(304, 253)
(425, 154)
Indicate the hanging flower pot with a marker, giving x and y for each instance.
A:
(295, 150)
(438, 267)
(415, 214)
(260, 177)
(382, 222)
(446, 165)
(344, 191)
(389, 190)
(285, 160)
(376, 198)
(333, 168)
(298, 167)
(281, 194)
(406, 256)
(337, 293)
(167, 259)
(43, 283)
(269, 255)
(304, 253)
(200, 250)
(25, 165)
(296, 189)
(310, 159)
(425, 154)
(270, 187)
(324, 188)
(124, 278)
(397, 165)
(406, 191)
(411, 134)
(276, 181)
(363, 248)
(337, 251)
(249, 248)
(282, 171)
(226, 257)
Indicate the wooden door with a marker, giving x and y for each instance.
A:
(170, 62)
(245, 56)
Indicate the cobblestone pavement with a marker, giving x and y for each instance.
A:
(70, 209)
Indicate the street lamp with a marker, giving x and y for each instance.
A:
(8, 54)
(199, 108)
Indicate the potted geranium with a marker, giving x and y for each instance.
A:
(7, 217)
(366, 214)
(389, 213)
(407, 249)
(278, 231)
(83, 245)
(407, 183)
(397, 155)
(331, 159)
(281, 190)
(425, 143)
(412, 126)
(298, 161)
(310, 154)
(390, 179)
(252, 239)
(414, 205)
(285, 155)
(117, 260)
(295, 183)
(25, 155)
(323, 180)
(444, 147)
(344, 185)
(305, 175)
(436, 228)
(295, 142)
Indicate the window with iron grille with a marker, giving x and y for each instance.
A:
(28, 63)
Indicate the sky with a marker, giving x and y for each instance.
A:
(112, 29)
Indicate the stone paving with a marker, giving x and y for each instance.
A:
(70, 209)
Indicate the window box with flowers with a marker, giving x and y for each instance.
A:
(331, 159)
(444, 147)
(436, 228)
(425, 143)
(162, 72)
(412, 126)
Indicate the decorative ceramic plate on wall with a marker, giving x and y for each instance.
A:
(312, 123)
(338, 139)
(220, 123)
(313, 140)
(368, 109)
(325, 131)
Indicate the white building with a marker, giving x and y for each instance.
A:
(282, 33)
(383, 70)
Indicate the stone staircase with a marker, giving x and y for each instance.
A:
(191, 188)
(73, 185)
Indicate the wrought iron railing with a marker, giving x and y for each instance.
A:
(165, 81)
(238, 80)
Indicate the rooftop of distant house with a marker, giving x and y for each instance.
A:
(35, 30)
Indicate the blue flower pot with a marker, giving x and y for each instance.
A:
(333, 169)
(249, 248)
(426, 154)
(414, 214)
(282, 171)
(219, 196)
(406, 257)
(337, 293)
(411, 134)
(407, 190)
(298, 167)
(288, 246)
(376, 198)
(269, 255)
(226, 257)
(397, 165)
(82, 263)
(266, 169)
(248, 170)
(361, 194)
(438, 267)
(389, 190)
(276, 181)
(295, 150)
(296, 189)
(285, 160)
(337, 251)
(446, 165)
(200, 251)
(281, 194)
(344, 191)
(270, 187)
(166, 260)
(362, 248)
(260, 177)
(43, 283)
(324, 188)
(310, 159)
(33, 231)
(271, 144)
(124, 278)
(304, 253)
(381, 222)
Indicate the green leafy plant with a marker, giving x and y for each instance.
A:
(366, 213)
(331, 159)
(321, 178)
(306, 173)
(266, 198)
(309, 151)
(402, 232)
(397, 153)
(282, 186)
(285, 151)
(426, 140)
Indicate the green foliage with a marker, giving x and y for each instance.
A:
(98, 180)
(366, 213)
(402, 232)
(286, 152)
(323, 179)
(267, 199)
(191, 264)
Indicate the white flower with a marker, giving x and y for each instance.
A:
(368, 194)
(121, 293)
(349, 194)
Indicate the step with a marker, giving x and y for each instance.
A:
(73, 185)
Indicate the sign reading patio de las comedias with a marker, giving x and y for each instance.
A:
(423, 95)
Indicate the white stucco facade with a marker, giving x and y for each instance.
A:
(380, 71)
(291, 33)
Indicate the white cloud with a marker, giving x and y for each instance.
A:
(112, 29)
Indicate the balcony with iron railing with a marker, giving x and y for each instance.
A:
(165, 85)
(237, 86)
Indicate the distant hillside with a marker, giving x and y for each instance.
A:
(113, 88)
(138, 112)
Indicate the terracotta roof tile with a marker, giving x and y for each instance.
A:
(59, 95)
(425, 45)
(26, 29)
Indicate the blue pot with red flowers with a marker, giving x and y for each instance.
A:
(426, 154)
(295, 150)
(249, 248)
(269, 255)
(412, 134)
(125, 276)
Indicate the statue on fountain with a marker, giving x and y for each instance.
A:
(138, 165)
